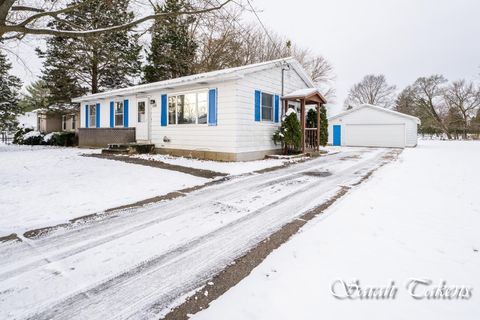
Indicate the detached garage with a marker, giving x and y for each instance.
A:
(373, 126)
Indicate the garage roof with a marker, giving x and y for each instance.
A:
(371, 106)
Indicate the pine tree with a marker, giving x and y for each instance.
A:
(9, 86)
(289, 134)
(74, 66)
(172, 51)
(37, 96)
(323, 126)
(312, 118)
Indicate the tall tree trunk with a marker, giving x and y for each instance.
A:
(95, 76)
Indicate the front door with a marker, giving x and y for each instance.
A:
(142, 120)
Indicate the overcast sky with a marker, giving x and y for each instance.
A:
(403, 39)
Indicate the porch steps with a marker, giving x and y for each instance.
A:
(129, 148)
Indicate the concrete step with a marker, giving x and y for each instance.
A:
(115, 151)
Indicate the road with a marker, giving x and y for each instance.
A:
(141, 262)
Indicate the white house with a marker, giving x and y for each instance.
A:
(373, 126)
(227, 115)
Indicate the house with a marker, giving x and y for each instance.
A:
(372, 126)
(227, 115)
(57, 118)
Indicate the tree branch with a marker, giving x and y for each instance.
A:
(24, 29)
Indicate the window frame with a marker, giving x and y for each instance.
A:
(74, 122)
(144, 110)
(184, 93)
(92, 124)
(115, 114)
(64, 122)
(261, 107)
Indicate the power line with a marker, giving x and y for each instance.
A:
(261, 23)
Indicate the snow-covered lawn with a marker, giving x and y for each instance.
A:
(44, 186)
(418, 218)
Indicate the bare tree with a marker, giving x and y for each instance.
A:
(226, 42)
(373, 89)
(463, 97)
(429, 97)
(22, 17)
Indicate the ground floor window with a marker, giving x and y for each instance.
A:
(189, 108)
(74, 124)
(118, 113)
(64, 122)
(267, 107)
(92, 115)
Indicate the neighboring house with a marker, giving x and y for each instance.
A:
(373, 126)
(227, 115)
(57, 118)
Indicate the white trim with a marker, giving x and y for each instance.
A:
(209, 77)
(374, 108)
(180, 93)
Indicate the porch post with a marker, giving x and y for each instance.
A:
(302, 111)
(318, 126)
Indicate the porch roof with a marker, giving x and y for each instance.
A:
(310, 95)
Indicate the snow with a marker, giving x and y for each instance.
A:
(141, 262)
(28, 120)
(231, 168)
(416, 218)
(44, 186)
(31, 134)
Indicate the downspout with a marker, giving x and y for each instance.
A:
(285, 67)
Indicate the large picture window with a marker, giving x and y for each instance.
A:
(267, 107)
(92, 115)
(118, 114)
(190, 108)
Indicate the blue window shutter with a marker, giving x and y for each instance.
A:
(258, 95)
(86, 116)
(164, 113)
(277, 107)
(97, 115)
(112, 123)
(212, 107)
(125, 113)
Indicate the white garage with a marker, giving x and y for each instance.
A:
(373, 126)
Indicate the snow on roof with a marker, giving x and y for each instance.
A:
(306, 92)
(371, 106)
(301, 92)
(225, 74)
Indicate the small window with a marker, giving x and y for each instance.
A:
(74, 124)
(141, 111)
(267, 107)
(92, 116)
(64, 122)
(118, 114)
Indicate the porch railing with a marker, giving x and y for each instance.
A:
(311, 138)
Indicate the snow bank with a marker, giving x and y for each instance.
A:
(416, 218)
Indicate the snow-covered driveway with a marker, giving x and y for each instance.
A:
(415, 219)
(142, 261)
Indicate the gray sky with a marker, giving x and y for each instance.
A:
(403, 39)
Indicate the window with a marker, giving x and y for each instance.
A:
(92, 116)
(267, 107)
(190, 108)
(141, 111)
(118, 114)
(64, 122)
(74, 119)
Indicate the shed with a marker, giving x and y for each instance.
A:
(373, 126)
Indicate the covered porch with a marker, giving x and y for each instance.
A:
(305, 98)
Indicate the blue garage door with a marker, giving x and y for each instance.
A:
(337, 135)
